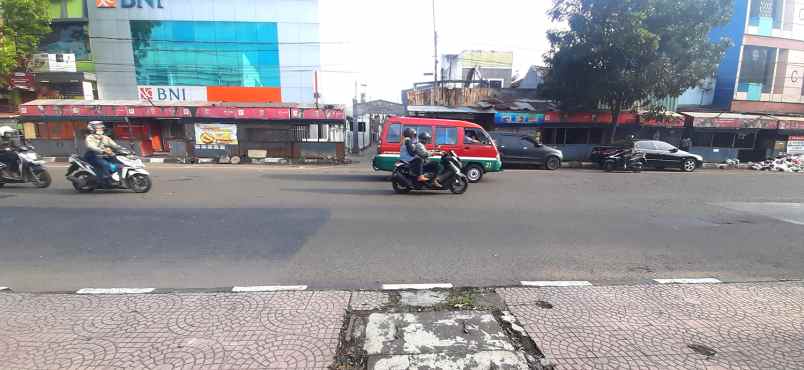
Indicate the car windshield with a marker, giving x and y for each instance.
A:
(402, 184)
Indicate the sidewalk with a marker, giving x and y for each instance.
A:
(735, 326)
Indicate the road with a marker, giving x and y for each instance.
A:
(342, 227)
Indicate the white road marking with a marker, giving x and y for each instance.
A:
(416, 286)
(555, 283)
(268, 288)
(115, 290)
(2, 288)
(157, 160)
(688, 281)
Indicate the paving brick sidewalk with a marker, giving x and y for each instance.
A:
(748, 326)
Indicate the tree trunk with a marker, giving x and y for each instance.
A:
(615, 121)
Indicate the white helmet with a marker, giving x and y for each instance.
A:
(94, 125)
(7, 132)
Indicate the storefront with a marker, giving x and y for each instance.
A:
(722, 136)
(668, 127)
(576, 134)
(790, 135)
(198, 130)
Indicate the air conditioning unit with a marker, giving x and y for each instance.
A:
(53, 63)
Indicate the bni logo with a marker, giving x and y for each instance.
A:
(146, 93)
(106, 3)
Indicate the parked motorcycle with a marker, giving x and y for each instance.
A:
(450, 176)
(31, 169)
(128, 173)
(625, 160)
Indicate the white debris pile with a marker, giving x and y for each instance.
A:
(782, 163)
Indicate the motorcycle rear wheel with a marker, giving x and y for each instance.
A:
(399, 188)
(608, 166)
(459, 185)
(87, 188)
(42, 179)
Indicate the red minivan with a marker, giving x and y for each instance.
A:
(470, 141)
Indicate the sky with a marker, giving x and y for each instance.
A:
(387, 45)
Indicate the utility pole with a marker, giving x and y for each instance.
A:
(435, 59)
(355, 132)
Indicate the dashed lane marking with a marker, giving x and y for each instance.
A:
(688, 281)
(115, 291)
(416, 286)
(267, 288)
(555, 283)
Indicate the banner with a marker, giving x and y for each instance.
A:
(215, 134)
(517, 118)
(795, 145)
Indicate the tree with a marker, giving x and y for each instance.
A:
(24, 23)
(620, 52)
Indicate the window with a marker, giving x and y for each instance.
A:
(527, 143)
(507, 140)
(496, 84)
(475, 136)
(756, 70)
(661, 145)
(645, 145)
(420, 129)
(67, 37)
(394, 132)
(361, 126)
(763, 11)
(197, 53)
(446, 135)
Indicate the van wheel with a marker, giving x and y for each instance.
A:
(474, 173)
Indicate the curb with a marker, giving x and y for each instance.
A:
(401, 287)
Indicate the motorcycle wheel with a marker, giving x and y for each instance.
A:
(608, 166)
(637, 167)
(84, 178)
(139, 183)
(399, 188)
(41, 179)
(459, 185)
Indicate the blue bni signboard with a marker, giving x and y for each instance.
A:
(518, 118)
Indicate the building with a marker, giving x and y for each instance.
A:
(495, 67)
(750, 108)
(263, 51)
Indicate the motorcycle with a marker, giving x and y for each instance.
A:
(450, 176)
(31, 169)
(128, 172)
(625, 160)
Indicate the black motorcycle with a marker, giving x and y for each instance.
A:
(625, 160)
(30, 169)
(449, 176)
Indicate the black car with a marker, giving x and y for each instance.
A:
(523, 150)
(663, 155)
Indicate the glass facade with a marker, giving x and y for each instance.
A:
(67, 38)
(193, 53)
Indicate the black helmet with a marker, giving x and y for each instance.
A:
(425, 137)
(409, 132)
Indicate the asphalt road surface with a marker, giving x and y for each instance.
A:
(343, 227)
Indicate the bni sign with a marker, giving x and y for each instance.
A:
(172, 93)
(128, 4)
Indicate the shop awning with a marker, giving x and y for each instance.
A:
(668, 119)
(90, 109)
(790, 123)
(723, 120)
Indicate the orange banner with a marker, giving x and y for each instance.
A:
(244, 94)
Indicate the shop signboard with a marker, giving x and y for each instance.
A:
(791, 125)
(172, 93)
(518, 118)
(215, 134)
(795, 145)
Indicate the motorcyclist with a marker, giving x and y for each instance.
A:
(420, 163)
(100, 146)
(407, 147)
(7, 151)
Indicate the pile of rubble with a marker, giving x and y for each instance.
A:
(782, 163)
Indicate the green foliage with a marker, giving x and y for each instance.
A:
(619, 52)
(24, 23)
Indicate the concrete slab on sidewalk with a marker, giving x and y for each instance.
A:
(439, 340)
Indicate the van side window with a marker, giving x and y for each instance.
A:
(475, 136)
(394, 132)
(446, 135)
(420, 129)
